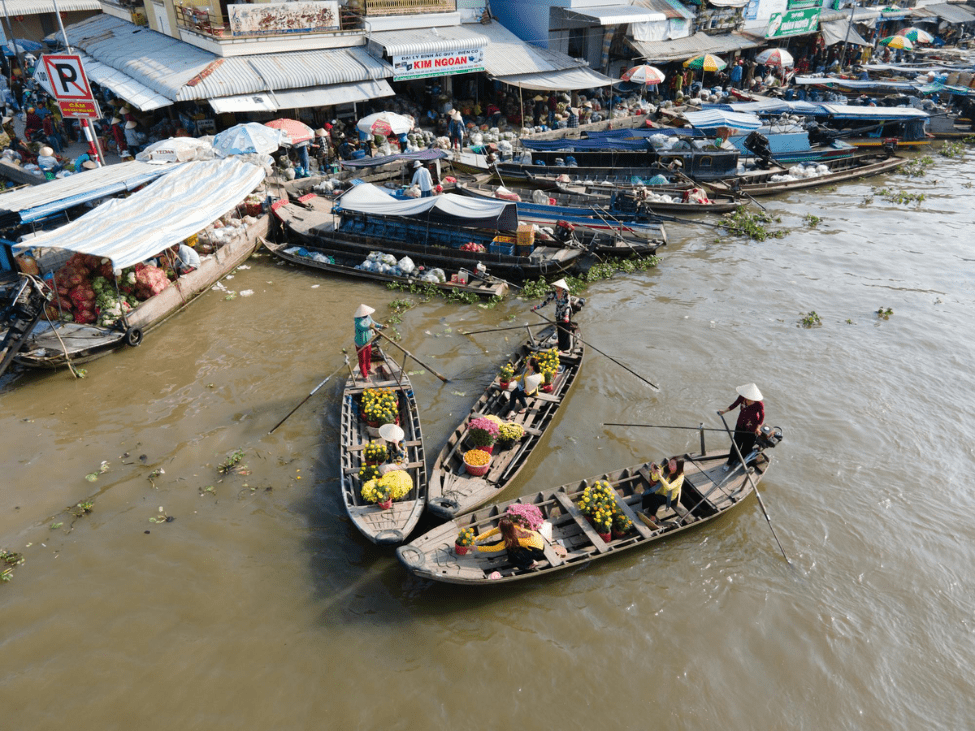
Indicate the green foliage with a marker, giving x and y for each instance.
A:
(751, 225)
(8, 561)
(539, 288)
(810, 319)
(918, 167)
(952, 150)
(884, 314)
(232, 461)
(900, 197)
(811, 220)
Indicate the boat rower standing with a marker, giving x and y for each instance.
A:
(564, 304)
(423, 179)
(365, 326)
(751, 416)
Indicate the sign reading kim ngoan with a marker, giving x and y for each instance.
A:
(441, 63)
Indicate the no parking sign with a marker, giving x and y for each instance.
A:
(67, 81)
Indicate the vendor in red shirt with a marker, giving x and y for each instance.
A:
(750, 420)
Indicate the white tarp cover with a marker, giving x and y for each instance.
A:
(841, 31)
(177, 149)
(180, 204)
(663, 30)
(367, 198)
(568, 80)
(714, 118)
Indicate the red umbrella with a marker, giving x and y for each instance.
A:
(296, 131)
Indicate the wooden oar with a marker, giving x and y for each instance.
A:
(313, 392)
(397, 345)
(652, 385)
(495, 329)
(664, 426)
(754, 486)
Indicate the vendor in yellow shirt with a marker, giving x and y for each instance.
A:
(524, 547)
(668, 487)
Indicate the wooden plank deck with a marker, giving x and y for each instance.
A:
(570, 508)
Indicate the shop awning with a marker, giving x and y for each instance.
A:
(164, 213)
(841, 31)
(37, 7)
(427, 40)
(672, 9)
(40, 201)
(448, 208)
(244, 103)
(324, 96)
(951, 13)
(715, 118)
(568, 80)
(681, 49)
(728, 3)
(124, 86)
(615, 14)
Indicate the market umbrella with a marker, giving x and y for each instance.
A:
(705, 62)
(901, 42)
(295, 131)
(646, 75)
(916, 35)
(385, 124)
(775, 57)
(21, 45)
(243, 139)
(176, 149)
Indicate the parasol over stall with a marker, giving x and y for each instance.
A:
(385, 124)
(775, 57)
(244, 139)
(295, 132)
(899, 42)
(916, 35)
(705, 62)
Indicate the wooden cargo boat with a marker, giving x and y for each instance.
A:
(316, 222)
(390, 526)
(707, 493)
(759, 182)
(452, 490)
(346, 266)
(623, 202)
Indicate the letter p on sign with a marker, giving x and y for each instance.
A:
(68, 80)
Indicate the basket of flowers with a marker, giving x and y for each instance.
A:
(602, 521)
(392, 486)
(596, 497)
(379, 406)
(526, 514)
(548, 366)
(464, 541)
(374, 453)
(621, 525)
(368, 472)
(482, 433)
(505, 375)
(508, 434)
(477, 462)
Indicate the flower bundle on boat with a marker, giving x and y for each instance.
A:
(389, 488)
(380, 406)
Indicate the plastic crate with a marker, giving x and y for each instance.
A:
(507, 249)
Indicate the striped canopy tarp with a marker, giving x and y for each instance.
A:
(178, 205)
(715, 118)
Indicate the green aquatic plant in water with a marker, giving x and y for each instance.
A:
(918, 167)
(884, 314)
(538, 288)
(901, 197)
(811, 220)
(810, 319)
(752, 225)
(952, 150)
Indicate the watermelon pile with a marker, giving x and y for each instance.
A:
(86, 291)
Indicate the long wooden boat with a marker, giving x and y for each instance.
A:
(620, 203)
(708, 492)
(759, 182)
(51, 347)
(620, 235)
(391, 526)
(312, 222)
(452, 490)
(346, 266)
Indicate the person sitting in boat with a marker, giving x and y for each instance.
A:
(423, 179)
(396, 457)
(526, 384)
(563, 312)
(365, 328)
(346, 148)
(524, 547)
(751, 416)
(185, 259)
(669, 480)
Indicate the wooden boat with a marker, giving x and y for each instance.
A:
(759, 182)
(623, 202)
(391, 526)
(625, 234)
(50, 347)
(708, 492)
(452, 490)
(312, 221)
(346, 265)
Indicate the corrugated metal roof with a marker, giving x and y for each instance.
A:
(684, 48)
(428, 40)
(123, 85)
(182, 72)
(673, 9)
(508, 55)
(36, 7)
(951, 13)
(617, 14)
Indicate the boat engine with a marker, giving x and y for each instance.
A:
(757, 144)
(564, 232)
(769, 437)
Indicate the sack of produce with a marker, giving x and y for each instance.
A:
(406, 266)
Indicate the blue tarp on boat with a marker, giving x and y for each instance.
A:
(373, 162)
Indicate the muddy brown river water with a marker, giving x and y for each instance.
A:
(261, 607)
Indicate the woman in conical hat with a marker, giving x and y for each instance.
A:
(365, 328)
(396, 459)
(563, 313)
(751, 416)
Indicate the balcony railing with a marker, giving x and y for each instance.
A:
(377, 8)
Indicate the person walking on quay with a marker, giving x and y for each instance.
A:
(563, 313)
(735, 77)
(455, 130)
(751, 416)
(365, 327)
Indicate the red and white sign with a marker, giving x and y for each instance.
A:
(67, 81)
